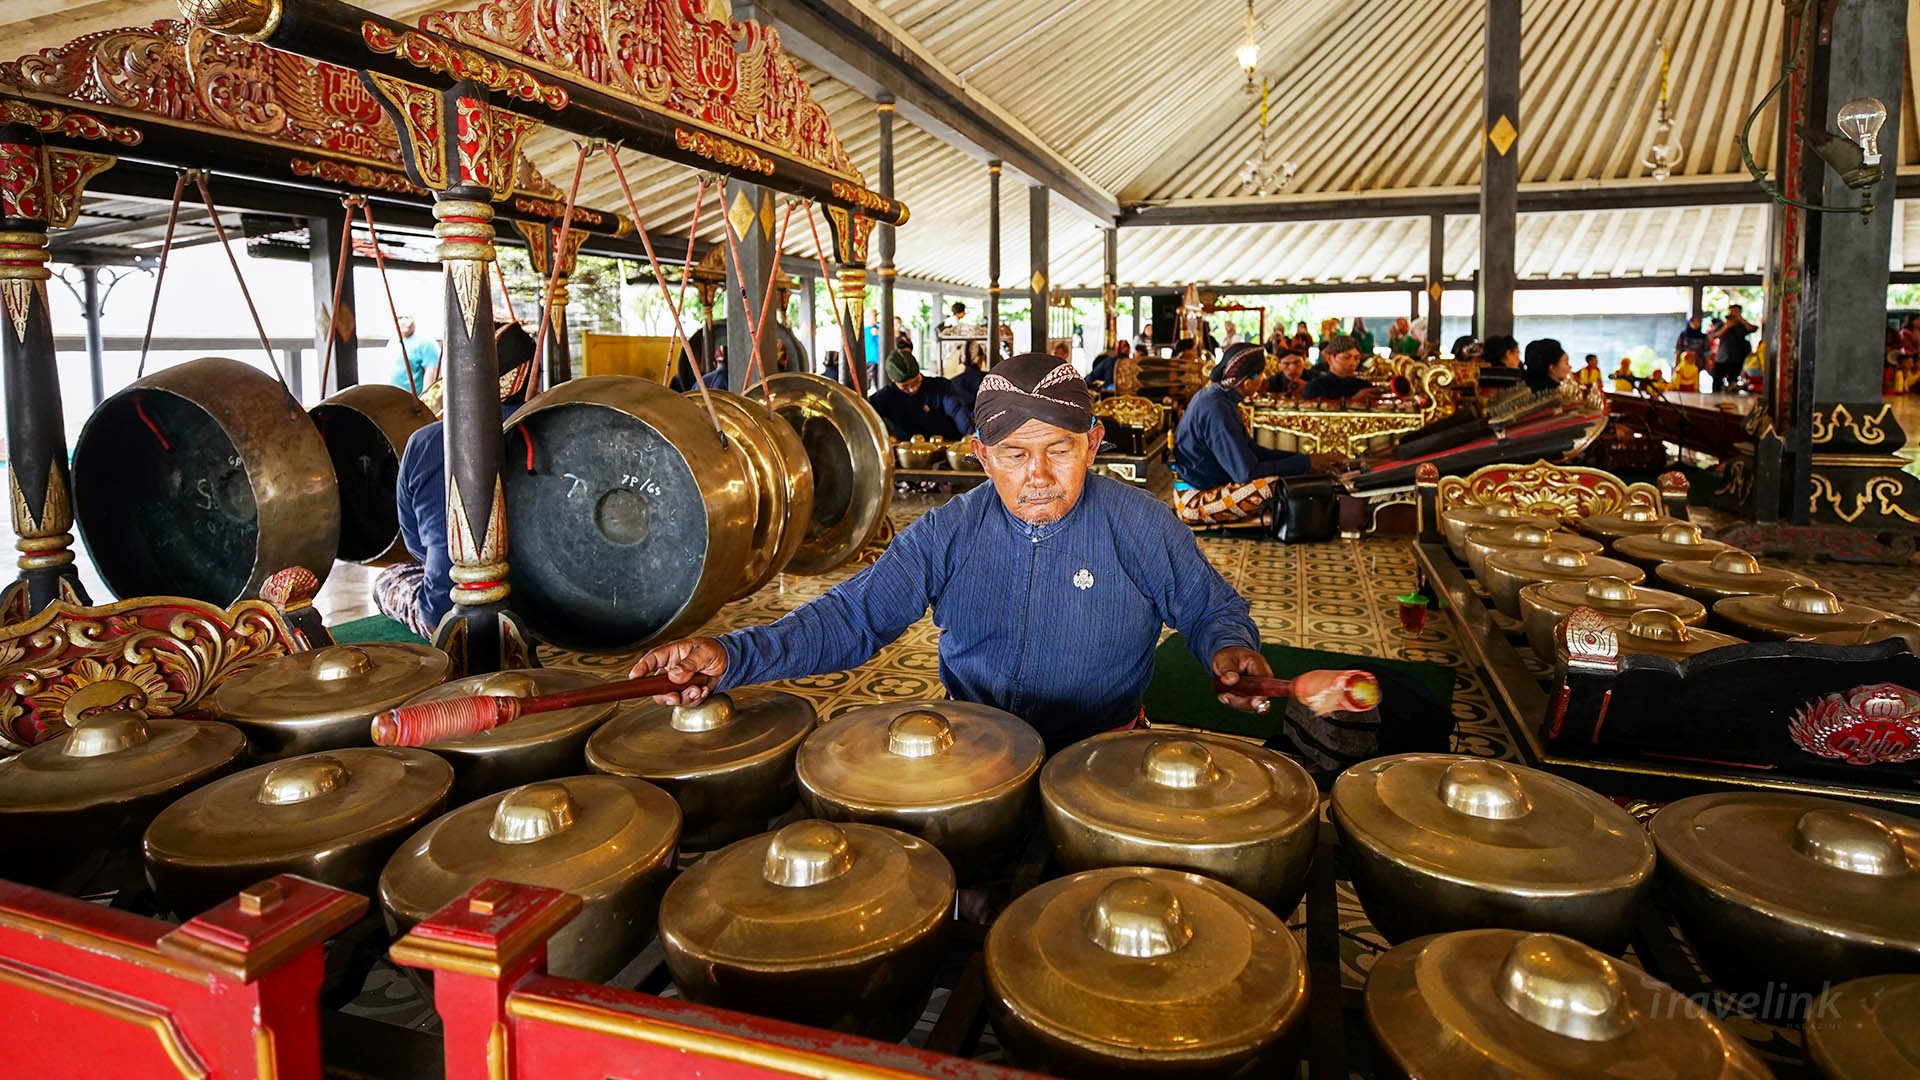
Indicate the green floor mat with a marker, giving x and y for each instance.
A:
(1416, 698)
(374, 628)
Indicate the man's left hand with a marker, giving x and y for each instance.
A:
(1234, 661)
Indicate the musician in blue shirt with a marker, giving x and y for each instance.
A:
(1342, 380)
(1220, 475)
(1050, 585)
(915, 404)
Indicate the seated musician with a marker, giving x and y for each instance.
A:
(1590, 375)
(1623, 376)
(416, 594)
(973, 368)
(1220, 475)
(1547, 365)
(915, 404)
(1686, 374)
(1102, 373)
(1291, 379)
(1342, 381)
(1050, 585)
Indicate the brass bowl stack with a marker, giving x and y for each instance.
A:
(1662, 634)
(1545, 605)
(1677, 541)
(1639, 519)
(1531, 1006)
(1790, 891)
(958, 775)
(324, 699)
(1439, 842)
(834, 925)
(537, 747)
(1728, 573)
(1455, 523)
(1233, 811)
(89, 793)
(1491, 540)
(727, 761)
(1512, 571)
(333, 817)
(919, 452)
(1134, 971)
(609, 840)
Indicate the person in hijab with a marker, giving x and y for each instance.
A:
(418, 594)
(1050, 585)
(915, 404)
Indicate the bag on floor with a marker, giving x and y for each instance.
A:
(1306, 509)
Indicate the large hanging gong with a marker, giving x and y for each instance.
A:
(846, 441)
(366, 429)
(697, 349)
(629, 520)
(201, 481)
(781, 479)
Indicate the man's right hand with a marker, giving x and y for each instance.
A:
(680, 661)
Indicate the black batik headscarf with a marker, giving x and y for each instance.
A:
(1031, 386)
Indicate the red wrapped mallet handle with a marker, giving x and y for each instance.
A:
(455, 717)
(1321, 691)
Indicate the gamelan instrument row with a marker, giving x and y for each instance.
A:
(809, 873)
(633, 512)
(1664, 647)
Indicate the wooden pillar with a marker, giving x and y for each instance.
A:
(93, 306)
(809, 331)
(1436, 278)
(324, 235)
(39, 190)
(1110, 288)
(993, 263)
(1697, 307)
(751, 258)
(544, 249)
(886, 238)
(1499, 168)
(1845, 470)
(1037, 259)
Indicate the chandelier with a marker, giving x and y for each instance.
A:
(1663, 150)
(1258, 176)
(1248, 51)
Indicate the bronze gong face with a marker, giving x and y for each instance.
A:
(366, 429)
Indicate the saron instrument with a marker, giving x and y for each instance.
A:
(1440, 842)
(608, 839)
(727, 761)
(1509, 572)
(201, 480)
(324, 699)
(333, 817)
(1139, 971)
(1544, 604)
(1231, 810)
(1532, 1006)
(93, 790)
(837, 925)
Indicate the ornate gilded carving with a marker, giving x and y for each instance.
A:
(542, 242)
(865, 199)
(166, 653)
(44, 183)
(724, 151)
(1870, 725)
(1867, 430)
(339, 172)
(669, 57)
(1561, 491)
(419, 110)
(437, 56)
(479, 569)
(45, 537)
(1881, 493)
(256, 19)
(556, 209)
(1591, 641)
(76, 125)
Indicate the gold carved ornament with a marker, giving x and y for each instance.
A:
(668, 57)
(75, 125)
(1563, 491)
(163, 655)
(432, 54)
(1868, 430)
(1881, 493)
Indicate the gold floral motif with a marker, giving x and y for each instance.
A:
(1881, 493)
(724, 151)
(172, 652)
(76, 125)
(862, 197)
(419, 111)
(335, 172)
(437, 56)
(668, 57)
(21, 295)
(1562, 491)
(1868, 430)
(557, 209)
(1347, 432)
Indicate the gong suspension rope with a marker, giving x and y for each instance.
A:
(660, 277)
(755, 326)
(506, 296)
(350, 203)
(220, 232)
(380, 263)
(555, 259)
(160, 277)
(855, 365)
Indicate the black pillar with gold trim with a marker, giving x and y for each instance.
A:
(993, 263)
(884, 107)
(1499, 169)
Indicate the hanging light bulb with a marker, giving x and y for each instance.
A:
(1860, 121)
(1663, 150)
(1248, 51)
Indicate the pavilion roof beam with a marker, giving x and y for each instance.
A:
(1534, 199)
(852, 42)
